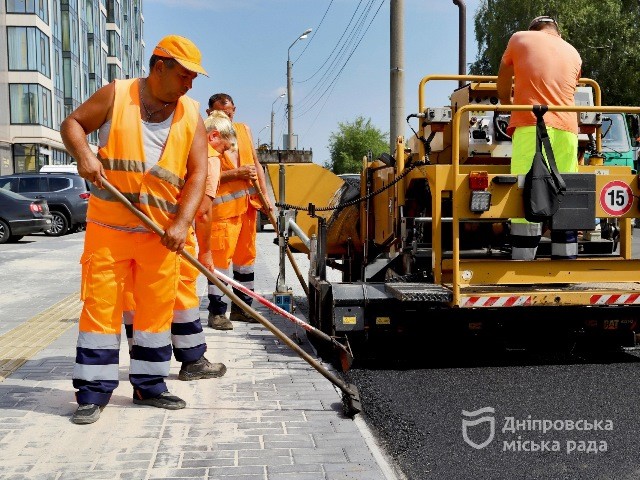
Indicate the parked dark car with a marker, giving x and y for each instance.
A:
(21, 216)
(67, 195)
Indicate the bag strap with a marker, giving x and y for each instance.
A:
(543, 140)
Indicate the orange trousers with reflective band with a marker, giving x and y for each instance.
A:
(187, 337)
(233, 241)
(111, 260)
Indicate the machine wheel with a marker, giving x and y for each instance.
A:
(5, 232)
(59, 225)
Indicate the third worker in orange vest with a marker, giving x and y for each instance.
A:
(233, 231)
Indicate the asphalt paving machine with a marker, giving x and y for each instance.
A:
(423, 239)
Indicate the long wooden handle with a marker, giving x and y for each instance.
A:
(274, 223)
(232, 296)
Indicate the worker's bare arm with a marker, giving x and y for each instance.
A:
(85, 119)
(504, 83)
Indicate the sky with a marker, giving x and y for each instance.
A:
(245, 43)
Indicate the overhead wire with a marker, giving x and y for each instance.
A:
(346, 47)
(337, 76)
(334, 48)
(315, 32)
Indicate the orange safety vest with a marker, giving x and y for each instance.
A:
(234, 197)
(155, 191)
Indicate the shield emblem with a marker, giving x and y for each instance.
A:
(472, 421)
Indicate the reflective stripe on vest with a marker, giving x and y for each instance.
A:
(156, 190)
(233, 195)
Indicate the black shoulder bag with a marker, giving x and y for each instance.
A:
(543, 185)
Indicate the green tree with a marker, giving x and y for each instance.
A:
(353, 141)
(606, 33)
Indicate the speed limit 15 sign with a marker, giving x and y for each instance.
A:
(616, 198)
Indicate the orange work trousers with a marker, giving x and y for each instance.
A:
(187, 337)
(233, 241)
(111, 259)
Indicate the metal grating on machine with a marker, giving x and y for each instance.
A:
(419, 292)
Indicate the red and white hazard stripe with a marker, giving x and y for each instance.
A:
(510, 301)
(626, 299)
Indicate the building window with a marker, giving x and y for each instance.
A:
(115, 72)
(28, 50)
(39, 7)
(113, 12)
(30, 104)
(56, 20)
(58, 84)
(27, 158)
(59, 113)
(60, 157)
(114, 44)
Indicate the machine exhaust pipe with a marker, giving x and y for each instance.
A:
(462, 39)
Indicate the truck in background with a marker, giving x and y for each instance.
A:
(619, 140)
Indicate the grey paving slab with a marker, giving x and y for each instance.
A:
(271, 417)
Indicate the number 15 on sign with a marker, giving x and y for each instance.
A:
(616, 198)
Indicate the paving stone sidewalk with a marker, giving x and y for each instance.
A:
(271, 417)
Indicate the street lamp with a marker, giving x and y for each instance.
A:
(290, 89)
(272, 116)
(266, 126)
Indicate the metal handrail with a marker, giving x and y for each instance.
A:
(455, 146)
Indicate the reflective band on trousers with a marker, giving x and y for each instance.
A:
(141, 367)
(91, 373)
(233, 196)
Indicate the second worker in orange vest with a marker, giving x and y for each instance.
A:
(233, 231)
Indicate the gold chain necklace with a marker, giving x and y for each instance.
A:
(148, 113)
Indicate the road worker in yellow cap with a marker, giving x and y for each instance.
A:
(153, 148)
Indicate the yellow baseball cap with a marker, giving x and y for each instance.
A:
(183, 51)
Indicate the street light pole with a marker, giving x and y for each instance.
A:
(290, 90)
(272, 116)
(266, 126)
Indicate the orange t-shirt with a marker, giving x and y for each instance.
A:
(546, 70)
(213, 173)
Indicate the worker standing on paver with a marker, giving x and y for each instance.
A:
(233, 231)
(154, 151)
(187, 336)
(546, 70)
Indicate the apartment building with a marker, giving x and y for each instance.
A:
(58, 53)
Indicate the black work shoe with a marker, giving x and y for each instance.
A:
(164, 400)
(219, 322)
(86, 413)
(237, 315)
(201, 368)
